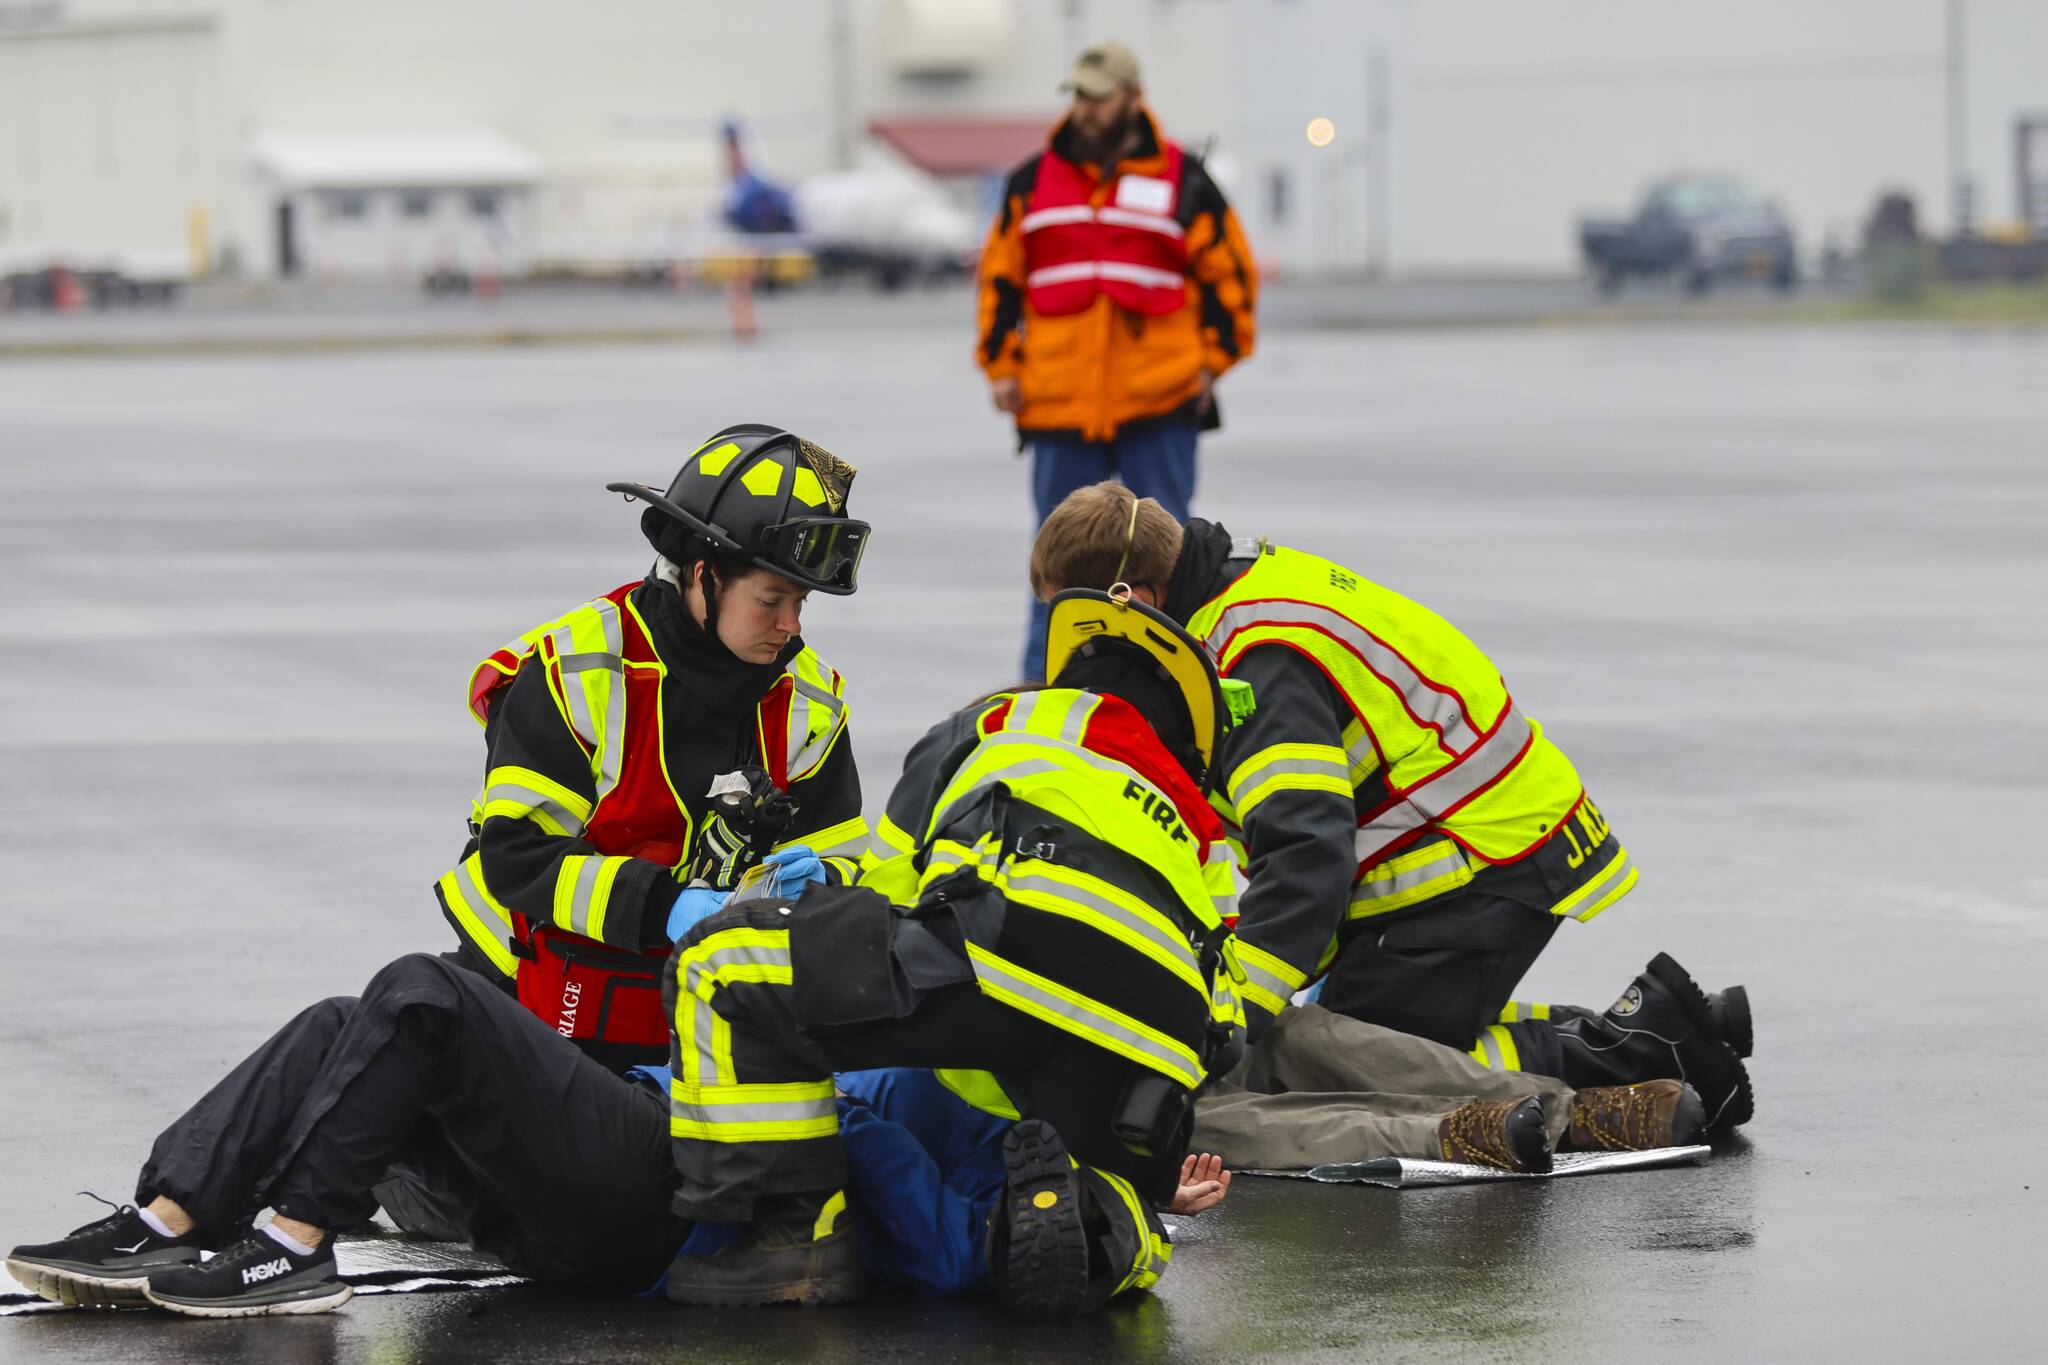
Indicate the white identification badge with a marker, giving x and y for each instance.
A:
(1144, 194)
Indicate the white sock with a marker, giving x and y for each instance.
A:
(291, 1244)
(156, 1225)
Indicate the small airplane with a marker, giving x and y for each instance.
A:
(890, 222)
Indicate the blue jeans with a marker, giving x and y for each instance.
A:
(924, 1170)
(1155, 461)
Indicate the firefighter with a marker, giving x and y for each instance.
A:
(435, 1066)
(1116, 287)
(1043, 931)
(649, 748)
(1412, 839)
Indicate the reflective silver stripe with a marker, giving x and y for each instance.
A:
(1053, 217)
(1444, 789)
(765, 1111)
(1307, 767)
(852, 846)
(1088, 1020)
(1173, 945)
(1362, 752)
(1030, 768)
(804, 695)
(1255, 975)
(579, 899)
(1144, 222)
(1617, 869)
(1107, 270)
(573, 694)
(534, 801)
(1491, 1046)
(1024, 709)
(1439, 709)
(706, 1019)
(609, 751)
(480, 904)
(1451, 859)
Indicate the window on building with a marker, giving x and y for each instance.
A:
(1277, 191)
(483, 204)
(345, 205)
(416, 203)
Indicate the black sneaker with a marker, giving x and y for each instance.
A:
(103, 1264)
(256, 1277)
(1038, 1238)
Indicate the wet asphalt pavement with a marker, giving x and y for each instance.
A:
(1777, 591)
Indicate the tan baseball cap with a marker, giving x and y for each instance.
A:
(1102, 70)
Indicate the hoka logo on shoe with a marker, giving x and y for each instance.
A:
(256, 1274)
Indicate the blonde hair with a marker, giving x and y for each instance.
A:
(1103, 534)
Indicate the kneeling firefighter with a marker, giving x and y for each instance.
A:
(1052, 944)
(649, 747)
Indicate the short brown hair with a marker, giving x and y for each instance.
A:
(1093, 532)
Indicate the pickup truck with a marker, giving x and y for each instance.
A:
(1706, 230)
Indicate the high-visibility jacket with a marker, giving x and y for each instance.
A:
(1106, 291)
(1385, 748)
(1108, 883)
(595, 791)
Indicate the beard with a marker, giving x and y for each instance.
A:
(1103, 148)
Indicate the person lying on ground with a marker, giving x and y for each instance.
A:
(434, 1065)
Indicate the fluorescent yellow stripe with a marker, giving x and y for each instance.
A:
(1329, 767)
(1189, 1073)
(1613, 882)
(828, 1217)
(576, 805)
(753, 1132)
(891, 835)
(848, 838)
(601, 895)
(484, 940)
(1054, 904)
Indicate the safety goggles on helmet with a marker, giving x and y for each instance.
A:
(1081, 619)
(822, 551)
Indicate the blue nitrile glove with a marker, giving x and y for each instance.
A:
(693, 904)
(792, 869)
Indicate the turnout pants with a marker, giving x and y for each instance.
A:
(1445, 970)
(559, 1167)
(770, 998)
(1320, 1087)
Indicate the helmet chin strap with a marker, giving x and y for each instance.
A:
(671, 573)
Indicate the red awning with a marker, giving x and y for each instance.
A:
(953, 145)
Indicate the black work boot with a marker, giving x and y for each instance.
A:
(103, 1264)
(1038, 1237)
(1636, 1118)
(1505, 1135)
(800, 1250)
(1666, 1004)
(1730, 1009)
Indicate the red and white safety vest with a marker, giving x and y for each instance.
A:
(1121, 237)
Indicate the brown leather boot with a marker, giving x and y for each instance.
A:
(1506, 1135)
(1635, 1118)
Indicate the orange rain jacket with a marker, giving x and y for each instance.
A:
(1094, 372)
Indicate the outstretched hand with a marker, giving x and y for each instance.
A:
(1203, 1183)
